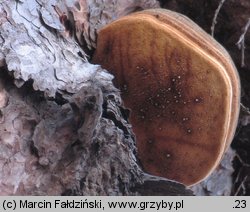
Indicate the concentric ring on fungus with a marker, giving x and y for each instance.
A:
(181, 86)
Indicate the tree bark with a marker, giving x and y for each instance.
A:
(63, 129)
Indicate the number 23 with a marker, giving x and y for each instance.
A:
(240, 204)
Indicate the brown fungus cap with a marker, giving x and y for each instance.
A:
(181, 86)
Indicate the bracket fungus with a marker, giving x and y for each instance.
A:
(181, 86)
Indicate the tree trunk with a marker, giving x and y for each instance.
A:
(63, 127)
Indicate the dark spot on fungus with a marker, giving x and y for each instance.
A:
(181, 86)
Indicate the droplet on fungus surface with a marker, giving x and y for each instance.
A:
(175, 53)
